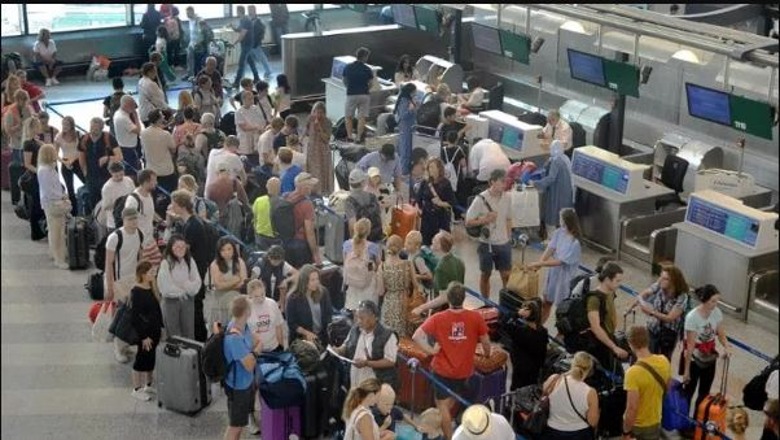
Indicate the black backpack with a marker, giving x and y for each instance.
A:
(283, 219)
(571, 315)
(227, 124)
(585, 278)
(428, 116)
(100, 251)
(214, 361)
(578, 135)
(370, 211)
(258, 27)
(212, 235)
(754, 394)
(340, 129)
(119, 206)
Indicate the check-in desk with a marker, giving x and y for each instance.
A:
(336, 91)
(609, 190)
(518, 139)
(723, 242)
(433, 69)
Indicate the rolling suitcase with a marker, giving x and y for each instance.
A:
(314, 417)
(416, 393)
(334, 233)
(403, 220)
(15, 171)
(181, 384)
(713, 409)
(279, 424)
(486, 386)
(332, 278)
(5, 162)
(78, 243)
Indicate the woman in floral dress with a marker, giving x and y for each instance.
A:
(396, 284)
(319, 161)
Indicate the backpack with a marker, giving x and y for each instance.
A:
(370, 211)
(258, 27)
(232, 217)
(307, 353)
(211, 208)
(430, 259)
(585, 278)
(356, 271)
(213, 357)
(340, 129)
(211, 234)
(571, 315)
(172, 26)
(283, 219)
(428, 115)
(227, 124)
(113, 105)
(450, 172)
(754, 394)
(280, 381)
(119, 206)
(214, 140)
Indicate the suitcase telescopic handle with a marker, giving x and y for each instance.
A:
(172, 350)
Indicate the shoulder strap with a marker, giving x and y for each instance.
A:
(138, 200)
(571, 401)
(654, 373)
(119, 240)
(484, 200)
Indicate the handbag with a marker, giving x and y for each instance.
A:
(523, 281)
(102, 323)
(536, 422)
(122, 325)
(476, 231)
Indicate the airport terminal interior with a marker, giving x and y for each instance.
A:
(672, 116)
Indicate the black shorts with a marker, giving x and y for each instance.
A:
(145, 360)
(239, 403)
(458, 386)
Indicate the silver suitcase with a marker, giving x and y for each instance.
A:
(181, 384)
(334, 226)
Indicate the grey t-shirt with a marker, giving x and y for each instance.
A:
(316, 315)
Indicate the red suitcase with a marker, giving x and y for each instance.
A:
(416, 393)
(5, 176)
(713, 409)
(403, 220)
(490, 315)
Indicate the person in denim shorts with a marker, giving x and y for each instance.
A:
(491, 210)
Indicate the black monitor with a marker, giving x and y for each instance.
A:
(587, 67)
(486, 38)
(403, 14)
(709, 104)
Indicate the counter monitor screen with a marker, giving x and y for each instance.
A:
(486, 38)
(587, 67)
(427, 19)
(337, 69)
(512, 138)
(711, 105)
(516, 47)
(495, 131)
(403, 14)
(722, 221)
(608, 176)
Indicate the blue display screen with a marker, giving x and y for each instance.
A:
(722, 221)
(708, 104)
(337, 70)
(586, 67)
(486, 38)
(403, 14)
(608, 176)
(495, 131)
(512, 138)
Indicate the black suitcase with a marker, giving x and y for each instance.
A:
(314, 411)
(228, 123)
(333, 280)
(78, 243)
(15, 171)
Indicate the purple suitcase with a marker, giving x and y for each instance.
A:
(279, 424)
(484, 387)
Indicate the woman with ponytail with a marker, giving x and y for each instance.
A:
(361, 260)
(574, 405)
(357, 413)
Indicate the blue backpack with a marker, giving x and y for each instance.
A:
(280, 380)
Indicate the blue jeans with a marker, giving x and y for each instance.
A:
(244, 58)
(130, 156)
(259, 54)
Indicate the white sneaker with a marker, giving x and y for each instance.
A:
(149, 390)
(48, 82)
(55, 81)
(253, 428)
(140, 395)
(121, 358)
(63, 266)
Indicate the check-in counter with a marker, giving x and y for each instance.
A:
(518, 139)
(433, 69)
(725, 243)
(336, 91)
(610, 190)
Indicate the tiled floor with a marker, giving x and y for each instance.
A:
(56, 383)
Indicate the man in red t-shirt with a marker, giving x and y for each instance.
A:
(303, 249)
(456, 333)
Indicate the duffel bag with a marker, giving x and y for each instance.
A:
(280, 381)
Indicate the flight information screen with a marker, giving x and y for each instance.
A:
(722, 221)
(404, 15)
(587, 67)
(486, 38)
(598, 172)
(709, 104)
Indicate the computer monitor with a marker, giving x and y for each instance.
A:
(587, 67)
(403, 14)
(512, 138)
(708, 104)
(514, 46)
(427, 19)
(486, 38)
(495, 131)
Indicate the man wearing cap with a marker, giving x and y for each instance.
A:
(372, 347)
(123, 250)
(478, 423)
(302, 249)
(456, 333)
(127, 127)
(117, 186)
(388, 164)
(227, 155)
(277, 274)
(360, 204)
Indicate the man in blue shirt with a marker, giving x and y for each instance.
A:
(357, 78)
(241, 348)
(385, 160)
(246, 39)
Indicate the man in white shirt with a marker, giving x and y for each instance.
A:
(123, 250)
(127, 127)
(159, 148)
(250, 123)
(485, 157)
(556, 130)
(491, 210)
(117, 186)
(265, 143)
(372, 347)
(227, 155)
(147, 181)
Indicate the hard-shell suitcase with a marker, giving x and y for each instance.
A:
(486, 386)
(334, 233)
(279, 424)
(713, 409)
(611, 402)
(314, 417)
(403, 220)
(83, 202)
(416, 393)
(5, 162)
(78, 243)
(181, 384)
(332, 278)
